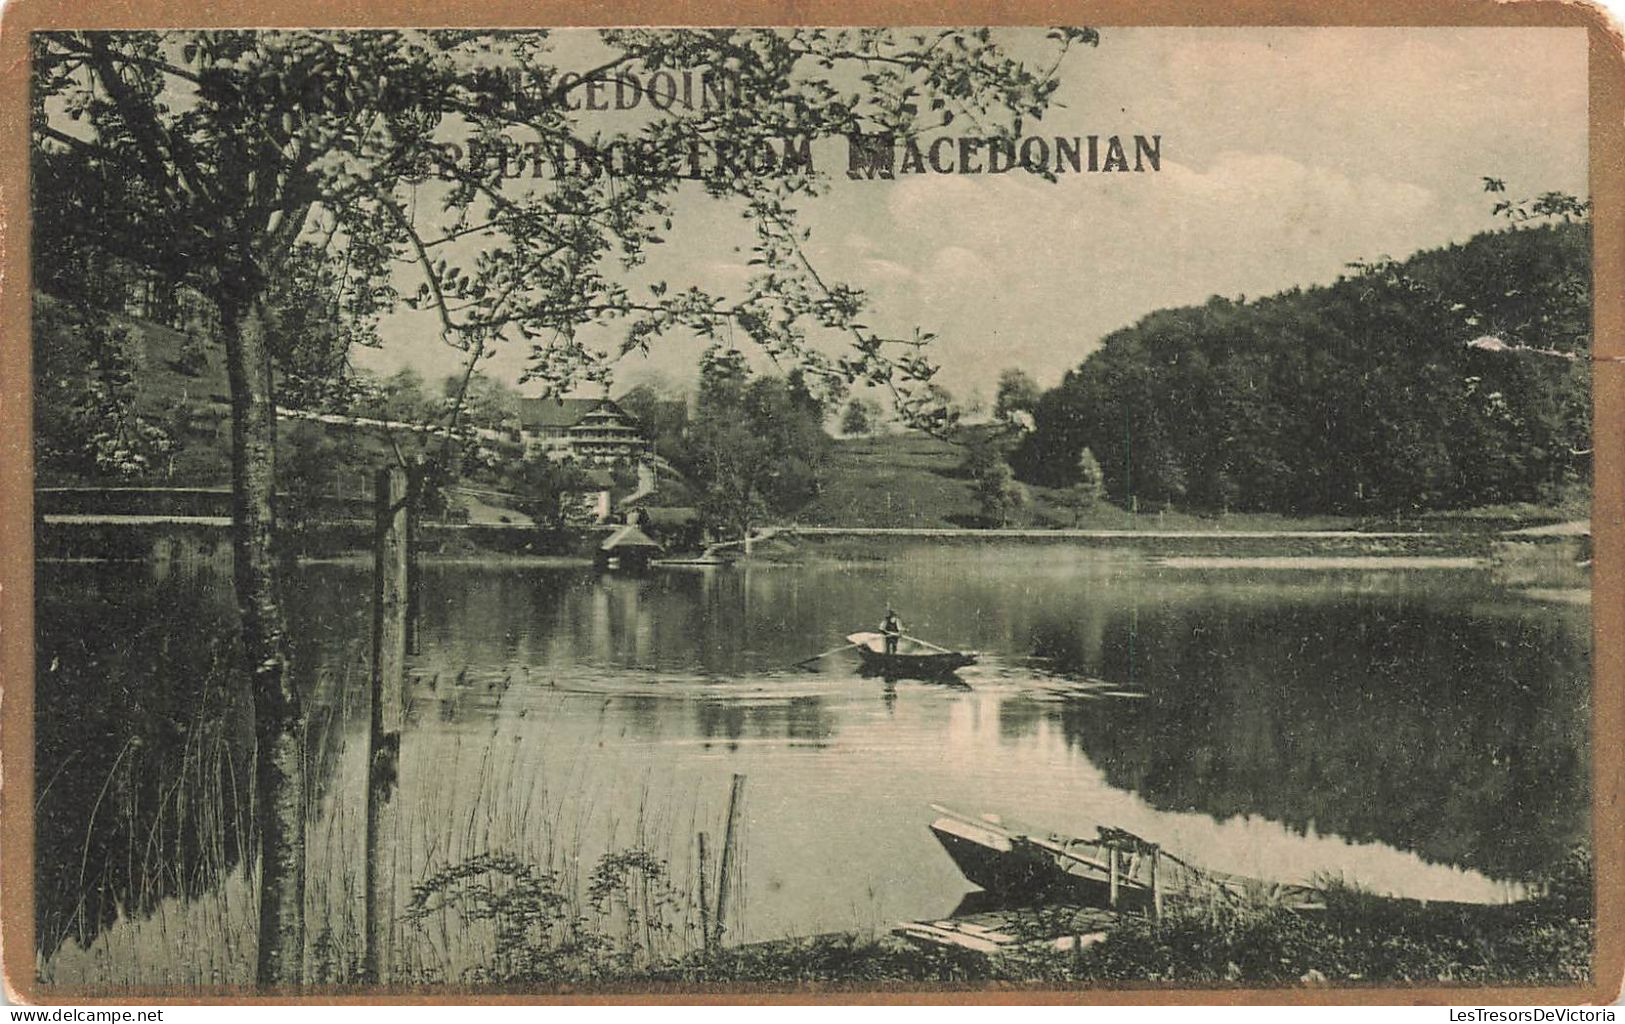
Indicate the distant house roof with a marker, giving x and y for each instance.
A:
(556, 413)
(628, 536)
(673, 515)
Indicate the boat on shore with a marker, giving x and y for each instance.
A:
(1115, 869)
(913, 659)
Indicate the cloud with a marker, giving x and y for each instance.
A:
(1287, 153)
(1012, 270)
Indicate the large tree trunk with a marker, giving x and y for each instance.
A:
(278, 717)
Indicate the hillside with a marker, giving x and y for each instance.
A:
(173, 393)
(163, 398)
(904, 480)
(166, 396)
(1456, 378)
(912, 480)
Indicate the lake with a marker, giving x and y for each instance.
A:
(1418, 731)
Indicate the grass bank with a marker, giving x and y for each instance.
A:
(912, 480)
(1357, 940)
(496, 921)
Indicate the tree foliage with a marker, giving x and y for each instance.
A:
(998, 494)
(86, 419)
(1018, 392)
(860, 418)
(1084, 495)
(274, 172)
(662, 416)
(1365, 395)
(543, 483)
(757, 445)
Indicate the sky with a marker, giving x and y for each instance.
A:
(1286, 154)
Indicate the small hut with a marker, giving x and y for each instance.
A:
(627, 548)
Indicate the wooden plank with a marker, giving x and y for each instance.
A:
(946, 937)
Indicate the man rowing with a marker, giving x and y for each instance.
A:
(892, 628)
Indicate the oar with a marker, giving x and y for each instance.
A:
(836, 650)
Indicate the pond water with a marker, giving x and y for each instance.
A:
(1418, 731)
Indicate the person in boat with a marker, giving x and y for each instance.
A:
(892, 629)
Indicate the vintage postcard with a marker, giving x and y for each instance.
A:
(970, 503)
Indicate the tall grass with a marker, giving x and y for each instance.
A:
(503, 875)
(1358, 938)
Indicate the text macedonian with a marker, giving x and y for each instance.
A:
(878, 156)
(868, 157)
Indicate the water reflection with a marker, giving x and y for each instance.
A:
(141, 747)
(1391, 721)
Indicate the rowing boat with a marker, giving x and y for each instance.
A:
(1115, 869)
(912, 660)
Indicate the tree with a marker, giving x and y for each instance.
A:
(856, 420)
(983, 455)
(237, 164)
(310, 460)
(1450, 379)
(1018, 392)
(486, 401)
(663, 417)
(1086, 493)
(994, 485)
(401, 398)
(756, 447)
(999, 494)
(542, 484)
(86, 418)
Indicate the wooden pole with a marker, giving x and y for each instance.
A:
(384, 728)
(705, 898)
(414, 580)
(1112, 852)
(730, 839)
(1156, 882)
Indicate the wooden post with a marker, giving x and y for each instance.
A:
(1156, 882)
(705, 898)
(384, 728)
(730, 839)
(414, 581)
(1112, 851)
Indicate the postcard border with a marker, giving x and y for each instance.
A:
(1607, 183)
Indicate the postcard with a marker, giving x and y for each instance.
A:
(816, 506)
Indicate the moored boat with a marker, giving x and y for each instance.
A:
(1115, 869)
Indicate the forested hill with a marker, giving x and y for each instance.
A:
(1405, 385)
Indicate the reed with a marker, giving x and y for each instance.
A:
(505, 874)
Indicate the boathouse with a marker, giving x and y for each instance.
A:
(627, 548)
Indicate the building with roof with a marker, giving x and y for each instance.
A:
(628, 547)
(591, 430)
